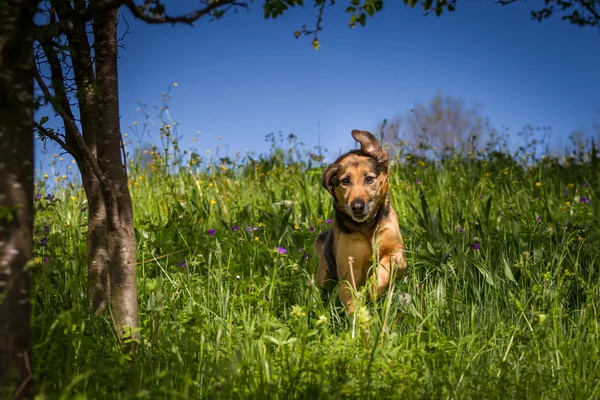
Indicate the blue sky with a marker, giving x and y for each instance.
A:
(243, 77)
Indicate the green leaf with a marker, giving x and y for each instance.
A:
(430, 248)
(44, 120)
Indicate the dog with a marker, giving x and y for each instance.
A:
(364, 225)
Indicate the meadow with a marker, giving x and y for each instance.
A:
(500, 299)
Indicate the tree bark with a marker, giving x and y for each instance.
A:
(16, 196)
(121, 235)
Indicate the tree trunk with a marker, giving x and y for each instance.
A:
(16, 196)
(97, 233)
(121, 235)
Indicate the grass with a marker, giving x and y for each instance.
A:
(502, 274)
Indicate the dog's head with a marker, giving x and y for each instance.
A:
(358, 180)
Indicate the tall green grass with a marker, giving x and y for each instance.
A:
(502, 277)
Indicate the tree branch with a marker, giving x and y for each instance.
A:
(84, 150)
(47, 132)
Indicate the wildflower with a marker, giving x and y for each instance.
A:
(235, 228)
(538, 184)
(73, 198)
(418, 181)
(37, 260)
(539, 218)
(329, 221)
(49, 196)
(322, 320)
(46, 259)
(174, 84)
(461, 230)
(311, 229)
(579, 238)
(83, 209)
(213, 201)
(565, 192)
(45, 176)
(296, 226)
(584, 200)
(571, 186)
(297, 311)
(256, 239)
(37, 197)
(281, 250)
(182, 264)
(211, 232)
(476, 246)
(44, 241)
(585, 184)
(46, 228)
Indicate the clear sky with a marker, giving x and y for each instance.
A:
(243, 77)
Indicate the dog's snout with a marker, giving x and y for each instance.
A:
(358, 206)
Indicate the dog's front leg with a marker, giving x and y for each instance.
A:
(352, 257)
(393, 263)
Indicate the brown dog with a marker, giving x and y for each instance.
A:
(364, 222)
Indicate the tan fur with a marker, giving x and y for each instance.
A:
(355, 178)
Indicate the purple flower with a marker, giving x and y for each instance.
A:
(46, 259)
(281, 250)
(584, 200)
(44, 241)
(461, 230)
(476, 246)
(182, 264)
(46, 228)
(211, 232)
(585, 184)
(250, 229)
(565, 192)
(235, 228)
(49, 196)
(311, 229)
(539, 218)
(82, 209)
(37, 197)
(329, 221)
(418, 181)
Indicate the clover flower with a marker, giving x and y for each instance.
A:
(235, 228)
(211, 232)
(476, 246)
(44, 241)
(584, 200)
(281, 250)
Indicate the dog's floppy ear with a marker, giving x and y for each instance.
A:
(370, 145)
(328, 176)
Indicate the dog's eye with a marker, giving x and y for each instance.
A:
(345, 181)
(369, 179)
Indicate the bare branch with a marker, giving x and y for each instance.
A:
(156, 14)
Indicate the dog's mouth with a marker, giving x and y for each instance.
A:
(361, 215)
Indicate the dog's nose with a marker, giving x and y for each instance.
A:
(358, 206)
